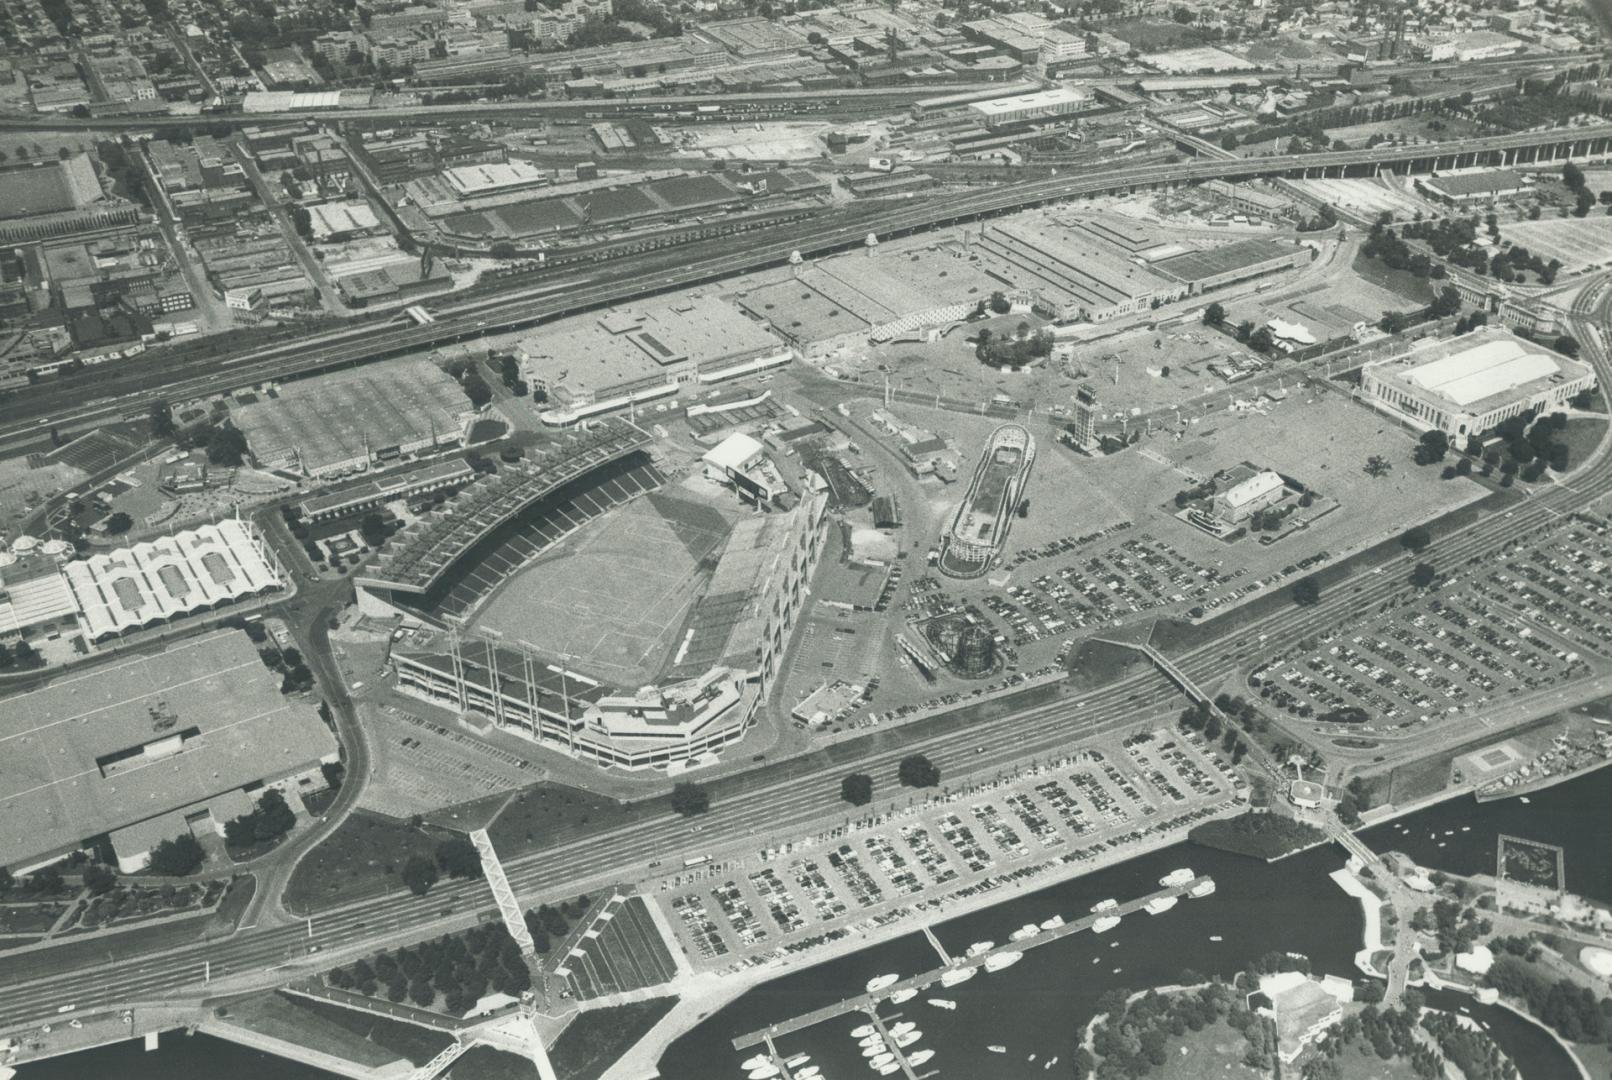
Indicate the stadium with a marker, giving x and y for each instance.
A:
(980, 527)
(572, 600)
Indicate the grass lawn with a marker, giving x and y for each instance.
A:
(1095, 664)
(1430, 775)
(398, 1039)
(1358, 1062)
(485, 1063)
(1216, 1051)
(280, 1017)
(362, 857)
(593, 1041)
(1417, 293)
(1583, 434)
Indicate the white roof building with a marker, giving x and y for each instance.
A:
(149, 583)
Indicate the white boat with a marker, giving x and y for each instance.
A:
(810, 1072)
(882, 1060)
(904, 1041)
(996, 1049)
(902, 996)
(1105, 924)
(954, 976)
(875, 985)
(1030, 1058)
(903, 1027)
(766, 1072)
(943, 1003)
(1177, 877)
(1052, 923)
(981, 947)
(797, 1061)
(755, 1061)
(1050, 1063)
(1216, 937)
(890, 1069)
(921, 1057)
(871, 1040)
(1028, 930)
(1104, 905)
(1206, 887)
(1160, 904)
(863, 1032)
(998, 961)
(876, 1050)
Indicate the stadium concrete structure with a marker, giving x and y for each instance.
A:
(346, 421)
(614, 360)
(48, 187)
(160, 739)
(1466, 385)
(980, 526)
(149, 583)
(732, 646)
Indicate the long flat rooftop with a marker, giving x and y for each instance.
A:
(92, 753)
(1477, 372)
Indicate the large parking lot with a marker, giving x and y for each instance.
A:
(1067, 812)
(1533, 617)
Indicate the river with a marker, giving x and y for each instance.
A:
(1040, 1005)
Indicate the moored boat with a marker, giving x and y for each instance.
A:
(997, 1049)
(765, 1072)
(882, 981)
(901, 996)
(1105, 924)
(863, 1032)
(903, 1027)
(1177, 877)
(1052, 923)
(998, 961)
(981, 947)
(1206, 887)
(904, 1041)
(755, 1061)
(1104, 905)
(920, 1057)
(797, 1061)
(1028, 930)
(943, 1003)
(957, 975)
(891, 1069)
(1160, 904)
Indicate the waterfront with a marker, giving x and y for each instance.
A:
(1040, 1005)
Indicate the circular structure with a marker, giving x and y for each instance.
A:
(1596, 960)
(56, 547)
(975, 655)
(24, 544)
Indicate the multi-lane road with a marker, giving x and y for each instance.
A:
(788, 799)
(128, 387)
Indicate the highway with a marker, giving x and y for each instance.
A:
(791, 798)
(127, 388)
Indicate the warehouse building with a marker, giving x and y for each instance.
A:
(345, 421)
(1062, 101)
(1074, 277)
(1466, 385)
(599, 363)
(34, 597)
(157, 737)
(1242, 260)
(1466, 188)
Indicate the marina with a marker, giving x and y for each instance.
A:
(982, 954)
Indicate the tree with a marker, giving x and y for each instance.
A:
(119, 523)
(1432, 447)
(162, 420)
(98, 879)
(503, 249)
(1377, 466)
(1228, 141)
(302, 221)
(476, 388)
(1584, 201)
(1262, 340)
(1566, 344)
(1000, 304)
(177, 857)
(457, 857)
(1306, 591)
(1573, 177)
(1423, 575)
(1416, 540)
(419, 874)
(373, 529)
(857, 789)
(690, 799)
(226, 446)
(1214, 314)
(918, 771)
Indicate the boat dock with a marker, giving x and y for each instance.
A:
(869, 1003)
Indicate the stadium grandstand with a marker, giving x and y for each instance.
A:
(441, 568)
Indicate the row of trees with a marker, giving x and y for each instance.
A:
(455, 857)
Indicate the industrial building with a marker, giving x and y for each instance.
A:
(1072, 275)
(34, 597)
(997, 112)
(149, 583)
(157, 737)
(599, 363)
(741, 462)
(1466, 188)
(1241, 260)
(1466, 385)
(345, 421)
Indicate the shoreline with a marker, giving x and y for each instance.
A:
(708, 992)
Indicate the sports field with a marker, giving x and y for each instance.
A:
(615, 596)
(1577, 242)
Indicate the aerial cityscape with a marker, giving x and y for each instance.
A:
(783, 540)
